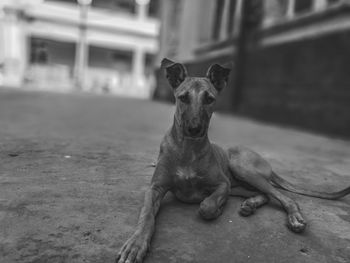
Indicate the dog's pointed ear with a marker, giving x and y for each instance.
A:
(218, 75)
(175, 72)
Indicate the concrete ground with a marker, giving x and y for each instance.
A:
(74, 169)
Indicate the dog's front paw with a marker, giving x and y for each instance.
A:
(134, 250)
(209, 210)
(296, 222)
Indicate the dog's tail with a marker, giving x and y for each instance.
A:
(284, 184)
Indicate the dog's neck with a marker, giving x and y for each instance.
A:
(186, 144)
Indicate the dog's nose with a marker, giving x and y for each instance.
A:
(194, 131)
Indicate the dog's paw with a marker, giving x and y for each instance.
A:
(208, 209)
(296, 222)
(134, 250)
(247, 208)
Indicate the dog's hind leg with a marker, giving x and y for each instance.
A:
(254, 200)
(251, 168)
(249, 206)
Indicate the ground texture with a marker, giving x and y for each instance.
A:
(74, 169)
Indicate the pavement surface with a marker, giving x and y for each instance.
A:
(74, 169)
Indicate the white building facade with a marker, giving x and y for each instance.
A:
(41, 45)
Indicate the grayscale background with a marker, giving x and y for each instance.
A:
(84, 106)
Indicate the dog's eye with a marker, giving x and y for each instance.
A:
(208, 99)
(184, 98)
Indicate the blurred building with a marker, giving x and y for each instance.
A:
(291, 56)
(107, 46)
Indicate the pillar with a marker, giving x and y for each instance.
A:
(142, 9)
(237, 18)
(319, 5)
(290, 8)
(14, 55)
(138, 68)
(81, 51)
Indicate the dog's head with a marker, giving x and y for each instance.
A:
(195, 96)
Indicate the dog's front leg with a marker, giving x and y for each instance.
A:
(212, 206)
(137, 245)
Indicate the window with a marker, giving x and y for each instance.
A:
(333, 1)
(302, 6)
(123, 6)
(285, 10)
(122, 60)
(100, 57)
(224, 18)
(149, 64)
(64, 1)
(38, 52)
(219, 9)
(232, 9)
(52, 52)
(153, 8)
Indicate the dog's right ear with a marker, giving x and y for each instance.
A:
(175, 72)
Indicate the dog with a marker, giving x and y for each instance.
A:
(197, 171)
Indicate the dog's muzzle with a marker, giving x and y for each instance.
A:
(195, 131)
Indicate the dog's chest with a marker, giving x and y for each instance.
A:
(189, 185)
(186, 173)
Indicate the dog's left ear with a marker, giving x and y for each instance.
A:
(218, 75)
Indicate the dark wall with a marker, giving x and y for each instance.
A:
(304, 83)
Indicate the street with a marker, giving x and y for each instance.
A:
(74, 169)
